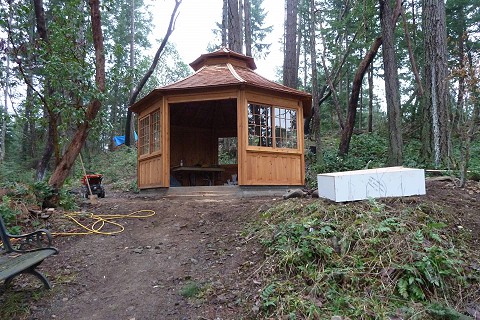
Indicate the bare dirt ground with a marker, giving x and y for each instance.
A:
(141, 272)
(192, 242)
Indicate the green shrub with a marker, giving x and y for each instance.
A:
(119, 168)
(367, 149)
(9, 215)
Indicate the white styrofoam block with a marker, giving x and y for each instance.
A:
(371, 183)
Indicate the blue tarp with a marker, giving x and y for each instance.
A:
(118, 140)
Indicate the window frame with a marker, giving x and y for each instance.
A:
(154, 145)
(273, 147)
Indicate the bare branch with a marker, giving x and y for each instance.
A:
(143, 81)
(410, 53)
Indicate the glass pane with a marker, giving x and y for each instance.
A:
(144, 136)
(259, 125)
(285, 128)
(156, 131)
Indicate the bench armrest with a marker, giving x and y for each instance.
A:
(33, 241)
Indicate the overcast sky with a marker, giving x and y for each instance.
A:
(197, 18)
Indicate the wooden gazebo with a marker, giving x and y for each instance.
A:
(181, 125)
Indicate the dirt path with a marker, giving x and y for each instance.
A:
(140, 273)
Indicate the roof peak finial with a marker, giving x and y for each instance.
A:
(221, 56)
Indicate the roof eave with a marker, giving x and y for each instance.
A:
(304, 97)
(149, 98)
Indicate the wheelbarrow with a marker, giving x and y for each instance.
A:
(92, 185)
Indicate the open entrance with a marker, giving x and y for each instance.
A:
(203, 148)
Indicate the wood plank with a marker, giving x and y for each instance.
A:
(204, 95)
(273, 169)
(274, 100)
(242, 140)
(150, 172)
(166, 143)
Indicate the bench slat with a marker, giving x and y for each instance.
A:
(12, 264)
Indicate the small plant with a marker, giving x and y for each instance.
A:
(41, 190)
(191, 290)
(14, 305)
(9, 215)
(67, 200)
(269, 300)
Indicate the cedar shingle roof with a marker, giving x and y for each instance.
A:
(226, 68)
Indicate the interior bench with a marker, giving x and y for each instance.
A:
(23, 253)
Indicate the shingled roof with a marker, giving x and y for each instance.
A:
(226, 68)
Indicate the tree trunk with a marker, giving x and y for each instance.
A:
(331, 84)
(356, 85)
(370, 99)
(134, 94)
(410, 54)
(29, 137)
(353, 101)
(248, 27)
(461, 85)
(63, 168)
(234, 32)
(290, 70)
(392, 93)
(131, 136)
(315, 96)
(240, 24)
(4, 112)
(224, 23)
(52, 139)
(436, 124)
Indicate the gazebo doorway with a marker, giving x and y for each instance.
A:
(203, 148)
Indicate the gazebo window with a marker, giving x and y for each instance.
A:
(260, 133)
(155, 131)
(144, 136)
(259, 125)
(285, 128)
(149, 137)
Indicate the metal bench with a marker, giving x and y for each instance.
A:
(23, 253)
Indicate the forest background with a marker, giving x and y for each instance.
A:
(72, 68)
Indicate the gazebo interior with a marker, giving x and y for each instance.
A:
(203, 143)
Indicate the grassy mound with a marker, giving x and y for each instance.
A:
(365, 260)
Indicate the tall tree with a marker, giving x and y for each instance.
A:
(290, 67)
(138, 88)
(249, 31)
(68, 159)
(354, 96)
(234, 28)
(370, 99)
(436, 120)
(4, 110)
(52, 135)
(126, 41)
(392, 87)
(315, 93)
(248, 27)
(258, 31)
(462, 23)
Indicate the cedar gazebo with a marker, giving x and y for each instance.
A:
(182, 125)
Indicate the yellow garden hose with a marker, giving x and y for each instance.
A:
(100, 221)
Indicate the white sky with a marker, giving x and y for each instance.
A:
(197, 18)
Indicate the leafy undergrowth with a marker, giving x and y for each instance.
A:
(119, 168)
(366, 260)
